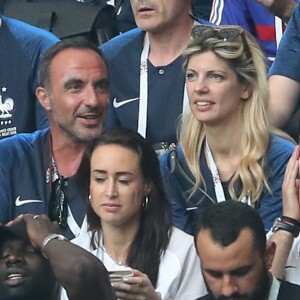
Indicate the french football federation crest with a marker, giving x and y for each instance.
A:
(6, 106)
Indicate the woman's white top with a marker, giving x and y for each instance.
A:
(179, 277)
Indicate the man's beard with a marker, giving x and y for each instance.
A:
(79, 137)
(260, 293)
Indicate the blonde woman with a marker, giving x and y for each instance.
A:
(227, 148)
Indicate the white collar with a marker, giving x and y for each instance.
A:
(274, 290)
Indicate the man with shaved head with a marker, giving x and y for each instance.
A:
(235, 257)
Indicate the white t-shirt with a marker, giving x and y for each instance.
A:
(274, 290)
(292, 268)
(179, 277)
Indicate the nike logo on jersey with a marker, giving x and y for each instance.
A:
(121, 103)
(22, 202)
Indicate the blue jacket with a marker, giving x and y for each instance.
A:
(20, 51)
(179, 183)
(25, 179)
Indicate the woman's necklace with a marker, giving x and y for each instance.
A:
(101, 244)
(119, 263)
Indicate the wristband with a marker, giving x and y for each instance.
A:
(287, 224)
(286, 219)
(49, 238)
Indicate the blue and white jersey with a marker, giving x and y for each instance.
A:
(186, 207)
(25, 181)
(20, 51)
(253, 17)
(287, 61)
(165, 88)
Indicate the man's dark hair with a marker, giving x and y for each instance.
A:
(227, 219)
(47, 58)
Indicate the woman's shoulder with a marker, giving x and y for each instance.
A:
(180, 241)
(180, 252)
(179, 270)
(283, 140)
(280, 146)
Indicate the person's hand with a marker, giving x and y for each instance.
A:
(137, 287)
(280, 8)
(271, 3)
(290, 187)
(266, 3)
(38, 227)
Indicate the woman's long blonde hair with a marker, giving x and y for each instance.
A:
(250, 69)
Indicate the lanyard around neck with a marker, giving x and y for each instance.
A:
(73, 226)
(144, 94)
(215, 175)
(217, 181)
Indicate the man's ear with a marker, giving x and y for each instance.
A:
(269, 254)
(43, 98)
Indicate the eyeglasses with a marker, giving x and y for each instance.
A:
(58, 210)
(225, 33)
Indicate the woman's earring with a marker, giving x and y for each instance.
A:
(145, 203)
(90, 198)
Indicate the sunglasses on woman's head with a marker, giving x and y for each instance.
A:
(226, 33)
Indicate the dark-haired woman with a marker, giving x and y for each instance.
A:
(129, 218)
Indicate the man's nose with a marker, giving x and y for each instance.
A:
(91, 97)
(14, 258)
(229, 286)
